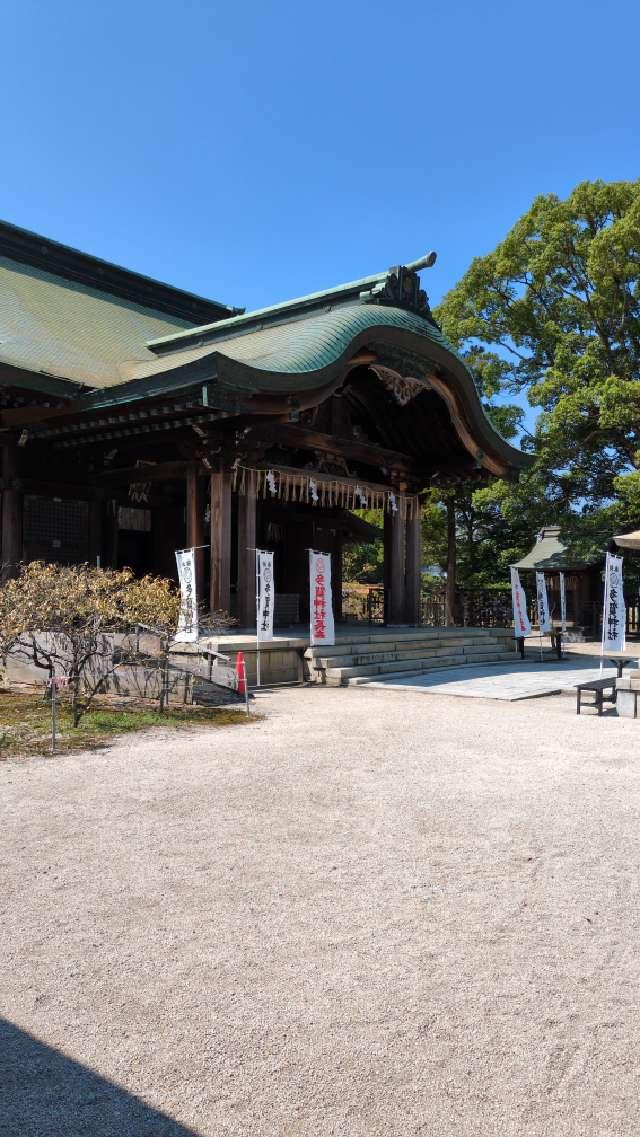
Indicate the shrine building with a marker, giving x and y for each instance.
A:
(138, 419)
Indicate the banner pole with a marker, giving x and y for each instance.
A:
(605, 609)
(257, 617)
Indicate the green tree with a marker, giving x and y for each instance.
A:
(363, 561)
(554, 314)
(79, 622)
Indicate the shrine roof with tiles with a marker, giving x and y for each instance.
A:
(106, 340)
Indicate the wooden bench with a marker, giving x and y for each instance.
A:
(598, 686)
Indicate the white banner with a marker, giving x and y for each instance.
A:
(614, 616)
(521, 625)
(265, 595)
(187, 630)
(563, 602)
(320, 599)
(544, 617)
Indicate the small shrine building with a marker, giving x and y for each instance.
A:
(583, 580)
(137, 418)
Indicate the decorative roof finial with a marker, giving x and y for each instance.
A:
(427, 261)
(401, 287)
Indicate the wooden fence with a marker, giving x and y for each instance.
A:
(475, 607)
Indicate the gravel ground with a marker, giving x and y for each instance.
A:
(372, 913)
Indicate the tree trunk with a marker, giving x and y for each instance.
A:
(76, 709)
(471, 552)
(451, 564)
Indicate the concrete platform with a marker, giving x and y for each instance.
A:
(528, 679)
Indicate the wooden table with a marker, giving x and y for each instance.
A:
(599, 687)
(619, 659)
(556, 643)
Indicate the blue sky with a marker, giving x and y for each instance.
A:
(260, 151)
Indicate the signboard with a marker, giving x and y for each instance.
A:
(544, 617)
(521, 625)
(187, 630)
(265, 594)
(614, 616)
(320, 599)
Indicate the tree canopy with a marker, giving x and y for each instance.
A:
(553, 313)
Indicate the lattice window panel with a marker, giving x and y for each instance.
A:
(56, 530)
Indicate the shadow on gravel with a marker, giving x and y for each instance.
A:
(45, 1094)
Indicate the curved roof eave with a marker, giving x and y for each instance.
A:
(302, 361)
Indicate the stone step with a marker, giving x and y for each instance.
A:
(489, 647)
(337, 676)
(399, 633)
(362, 647)
(349, 659)
(361, 635)
(370, 658)
(361, 680)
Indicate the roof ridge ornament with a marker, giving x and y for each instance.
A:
(400, 288)
(427, 261)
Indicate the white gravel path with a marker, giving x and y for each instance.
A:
(373, 913)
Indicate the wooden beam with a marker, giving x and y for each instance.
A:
(158, 472)
(362, 359)
(247, 556)
(306, 439)
(220, 592)
(68, 490)
(500, 469)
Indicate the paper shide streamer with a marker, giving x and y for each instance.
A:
(323, 490)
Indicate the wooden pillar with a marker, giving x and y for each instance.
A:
(413, 566)
(12, 511)
(195, 524)
(220, 594)
(393, 567)
(247, 556)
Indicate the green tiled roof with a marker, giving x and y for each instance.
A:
(551, 554)
(63, 328)
(300, 357)
(58, 322)
(300, 347)
(354, 290)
